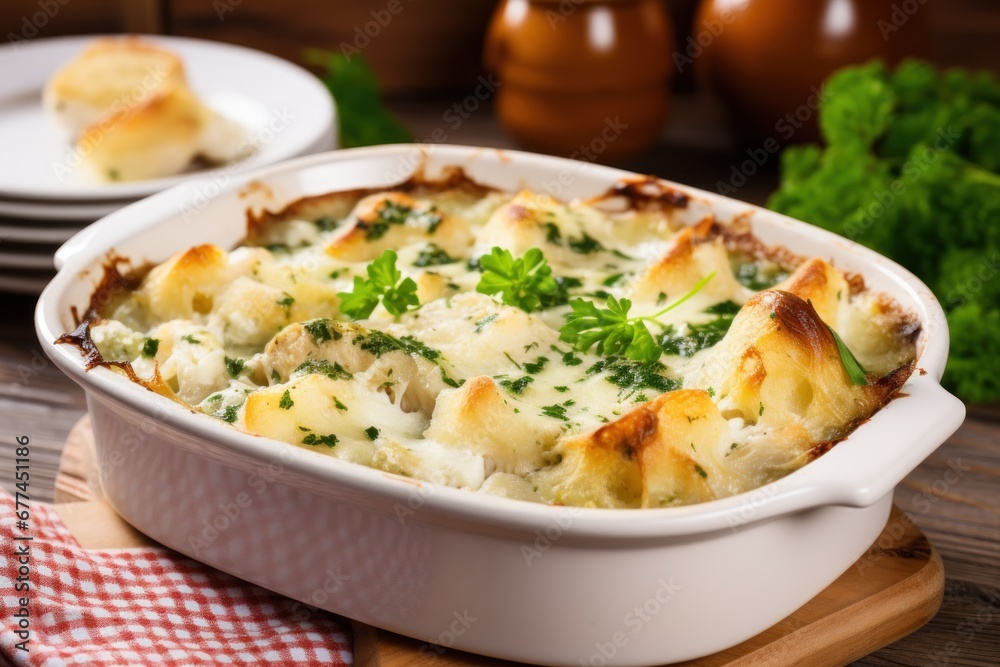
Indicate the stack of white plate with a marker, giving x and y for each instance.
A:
(45, 197)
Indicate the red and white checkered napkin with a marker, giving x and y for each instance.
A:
(146, 606)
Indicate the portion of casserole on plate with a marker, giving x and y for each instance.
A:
(591, 353)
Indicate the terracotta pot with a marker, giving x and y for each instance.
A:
(579, 78)
(767, 59)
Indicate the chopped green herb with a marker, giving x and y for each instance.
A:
(326, 223)
(585, 245)
(393, 213)
(320, 332)
(555, 411)
(698, 469)
(287, 301)
(752, 276)
(338, 404)
(562, 389)
(760, 413)
(729, 308)
(536, 366)
(379, 342)
(234, 367)
(333, 371)
(431, 255)
(854, 370)
(484, 322)
(552, 233)
(330, 440)
(371, 432)
(191, 339)
(613, 279)
(515, 386)
(149, 347)
(632, 374)
(698, 337)
(571, 359)
(230, 414)
(286, 402)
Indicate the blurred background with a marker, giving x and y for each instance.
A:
(666, 67)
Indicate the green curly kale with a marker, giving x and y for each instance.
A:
(910, 169)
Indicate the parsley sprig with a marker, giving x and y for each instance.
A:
(520, 282)
(385, 284)
(855, 371)
(613, 331)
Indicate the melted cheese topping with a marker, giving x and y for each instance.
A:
(469, 392)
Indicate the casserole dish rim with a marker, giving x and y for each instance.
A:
(936, 414)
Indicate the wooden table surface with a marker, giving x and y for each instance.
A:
(954, 496)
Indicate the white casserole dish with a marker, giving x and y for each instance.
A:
(553, 585)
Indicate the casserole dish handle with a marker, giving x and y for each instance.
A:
(865, 468)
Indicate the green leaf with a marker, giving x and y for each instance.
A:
(613, 331)
(363, 118)
(520, 282)
(431, 255)
(234, 367)
(854, 370)
(149, 347)
(385, 284)
(330, 440)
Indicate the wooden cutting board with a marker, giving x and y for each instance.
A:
(892, 590)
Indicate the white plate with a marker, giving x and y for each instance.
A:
(84, 212)
(24, 260)
(28, 233)
(22, 284)
(282, 105)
